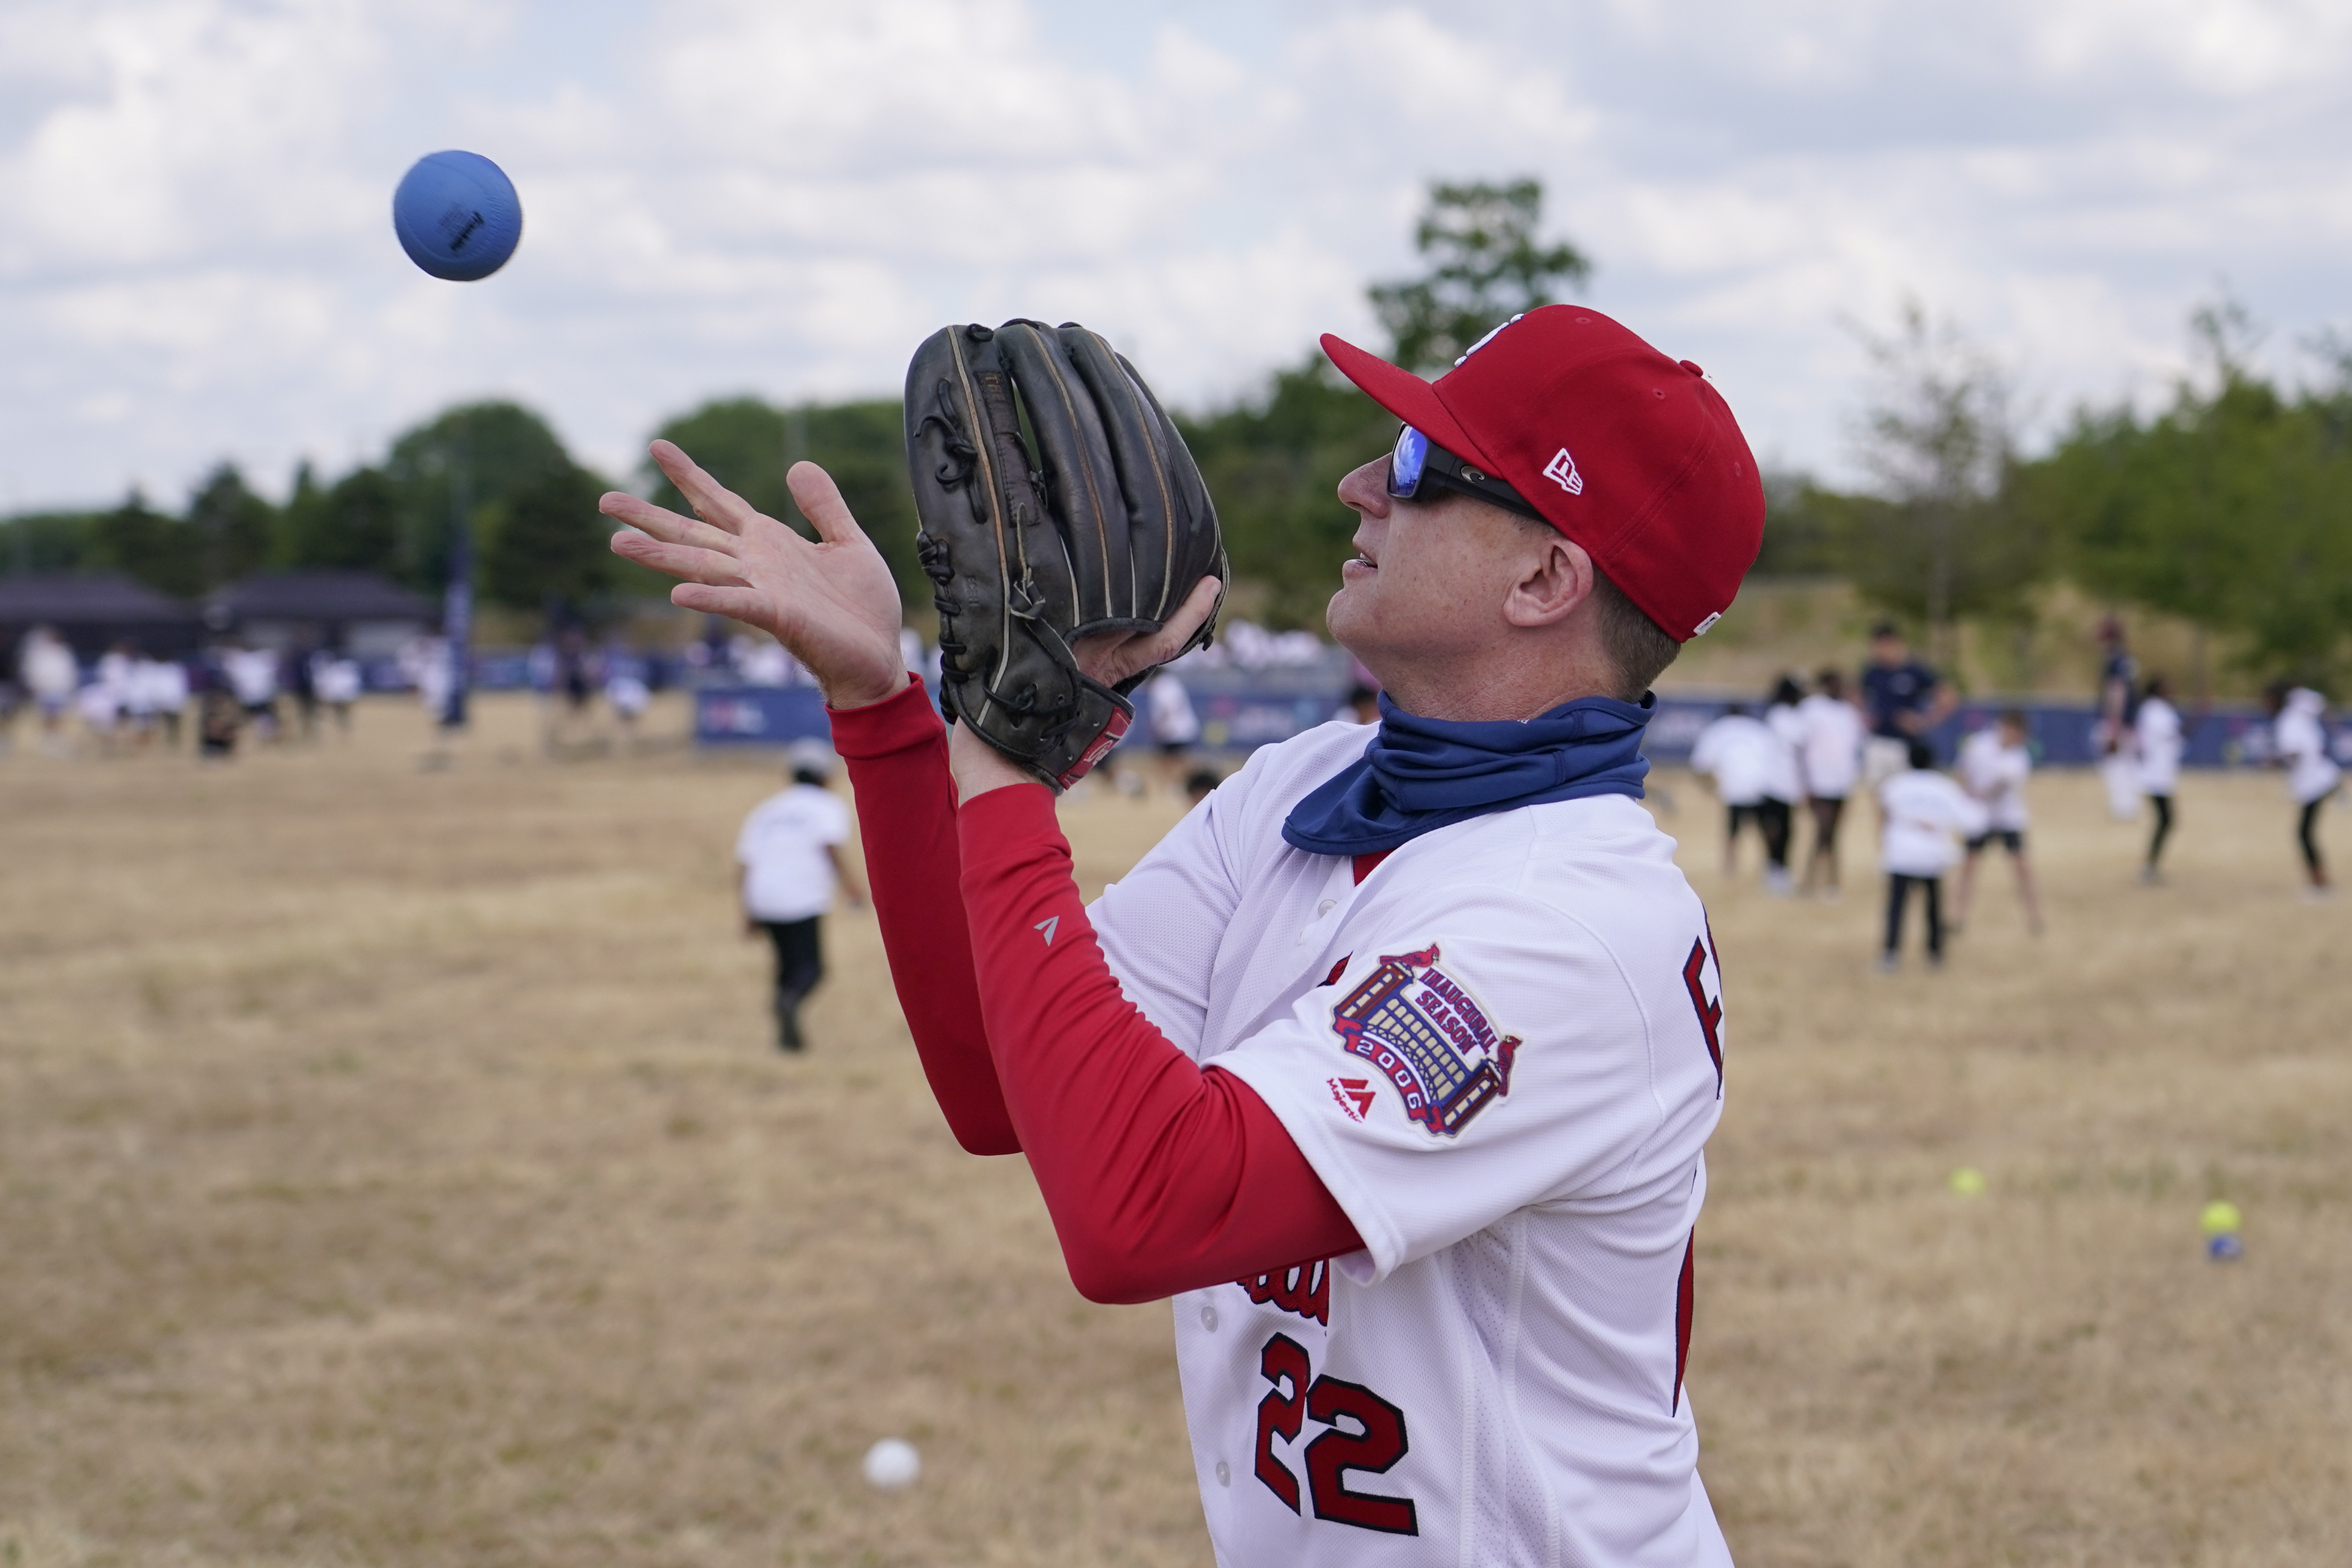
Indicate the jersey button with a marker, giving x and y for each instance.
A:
(1224, 1476)
(1209, 1319)
(1325, 907)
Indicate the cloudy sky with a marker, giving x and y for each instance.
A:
(724, 195)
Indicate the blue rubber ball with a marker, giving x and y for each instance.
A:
(457, 216)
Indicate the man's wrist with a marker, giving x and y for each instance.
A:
(848, 698)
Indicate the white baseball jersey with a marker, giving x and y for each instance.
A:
(1502, 1053)
(1995, 772)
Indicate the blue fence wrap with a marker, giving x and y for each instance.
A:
(1242, 710)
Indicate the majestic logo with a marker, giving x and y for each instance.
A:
(1425, 1032)
(1050, 925)
(1561, 471)
(1354, 1095)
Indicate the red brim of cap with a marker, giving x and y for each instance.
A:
(1403, 394)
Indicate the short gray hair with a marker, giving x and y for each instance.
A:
(1637, 646)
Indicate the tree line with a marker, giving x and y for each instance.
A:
(2230, 507)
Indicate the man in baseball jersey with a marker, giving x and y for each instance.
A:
(1394, 1061)
(2118, 683)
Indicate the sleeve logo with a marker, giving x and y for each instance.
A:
(1428, 1036)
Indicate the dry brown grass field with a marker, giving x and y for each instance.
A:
(395, 1170)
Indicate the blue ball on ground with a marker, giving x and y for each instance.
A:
(457, 216)
(2225, 1248)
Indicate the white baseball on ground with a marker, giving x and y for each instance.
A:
(892, 1463)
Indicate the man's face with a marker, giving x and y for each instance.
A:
(1430, 577)
(1887, 652)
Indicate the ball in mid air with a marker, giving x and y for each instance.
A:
(457, 216)
(2221, 1218)
(892, 1463)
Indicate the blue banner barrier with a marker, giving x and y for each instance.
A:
(1242, 710)
(759, 715)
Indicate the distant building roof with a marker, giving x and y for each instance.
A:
(68, 599)
(316, 595)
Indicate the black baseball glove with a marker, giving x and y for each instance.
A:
(1057, 501)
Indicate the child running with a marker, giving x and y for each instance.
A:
(2156, 736)
(2299, 741)
(1923, 812)
(1994, 764)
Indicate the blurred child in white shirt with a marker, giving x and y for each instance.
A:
(1925, 814)
(2156, 738)
(1994, 765)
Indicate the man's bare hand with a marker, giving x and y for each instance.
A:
(1112, 656)
(832, 602)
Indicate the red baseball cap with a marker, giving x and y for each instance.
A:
(1624, 451)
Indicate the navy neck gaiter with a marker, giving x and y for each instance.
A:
(1421, 774)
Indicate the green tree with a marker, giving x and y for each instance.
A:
(1486, 267)
(356, 523)
(234, 528)
(2231, 509)
(749, 445)
(161, 551)
(49, 542)
(1943, 537)
(488, 453)
(546, 546)
(1273, 465)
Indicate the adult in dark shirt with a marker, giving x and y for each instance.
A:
(1902, 699)
(2118, 677)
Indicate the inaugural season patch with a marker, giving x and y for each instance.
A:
(1422, 1029)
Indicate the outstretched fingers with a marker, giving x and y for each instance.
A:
(659, 522)
(694, 565)
(821, 503)
(713, 502)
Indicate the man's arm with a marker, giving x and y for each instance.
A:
(897, 758)
(1161, 1176)
(834, 605)
(1941, 700)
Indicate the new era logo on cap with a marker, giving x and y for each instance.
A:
(1672, 508)
(1561, 471)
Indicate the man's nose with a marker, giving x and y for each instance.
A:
(1366, 488)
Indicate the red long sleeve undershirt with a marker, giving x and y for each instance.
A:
(1160, 1176)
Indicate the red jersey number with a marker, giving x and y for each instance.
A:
(1366, 1433)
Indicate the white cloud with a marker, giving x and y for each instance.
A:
(782, 196)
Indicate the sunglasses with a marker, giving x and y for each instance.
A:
(1419, 465)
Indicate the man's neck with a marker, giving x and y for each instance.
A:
(1496, 689)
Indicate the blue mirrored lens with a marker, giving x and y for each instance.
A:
(1405, 462)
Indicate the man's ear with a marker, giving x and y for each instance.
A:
(1555, 577)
